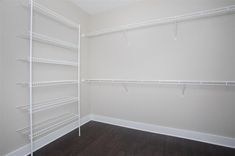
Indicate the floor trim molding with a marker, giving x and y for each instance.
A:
(25, 150)
(180, 133)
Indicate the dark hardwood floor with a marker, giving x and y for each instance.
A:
(100, 139)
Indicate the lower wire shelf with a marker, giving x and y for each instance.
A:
(49, 104)
(50, 125)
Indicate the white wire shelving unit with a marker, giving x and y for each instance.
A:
(34, 131)
(227, 10)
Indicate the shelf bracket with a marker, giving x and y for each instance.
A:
(126, 38)
(175, 30)
(226, 86)
(183, 89)
(125, 88)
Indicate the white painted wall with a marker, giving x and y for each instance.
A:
(16, 21)
(204, 50)
(1, 67)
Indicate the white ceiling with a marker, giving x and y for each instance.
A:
(97, 6)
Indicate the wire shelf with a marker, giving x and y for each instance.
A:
(49, 40)
(158, 21)
(49, 125)
(50, 61)
(49, 83)
(49, 104)
(52, 14)
(162, 82)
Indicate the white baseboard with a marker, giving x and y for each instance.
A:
(25, 150)
(186, 134)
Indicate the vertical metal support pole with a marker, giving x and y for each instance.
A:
(31, 78)
(79, 79)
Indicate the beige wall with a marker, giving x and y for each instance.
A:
(1, 96)
(16, 21)
(204, 50)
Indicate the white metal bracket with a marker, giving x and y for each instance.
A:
(125, 33)
(125, 87)
(226, 86)
(183, 89)
(175, 30)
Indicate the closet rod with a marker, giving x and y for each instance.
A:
(162, 82)
(179, 18)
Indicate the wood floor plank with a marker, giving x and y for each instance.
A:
(100, 139)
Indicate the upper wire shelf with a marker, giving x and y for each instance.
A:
(49, 125)
(50, 83)
(49, 104)
(158, 21)
(162, 82)
(52, 14)
(49, 61)
(49, 40)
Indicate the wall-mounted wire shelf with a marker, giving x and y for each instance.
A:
(50, 61)
(52, 14)
(162, 82)
(49, 125)
(158, 21)
(50, 83)
(49, 40)
(49, 104)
